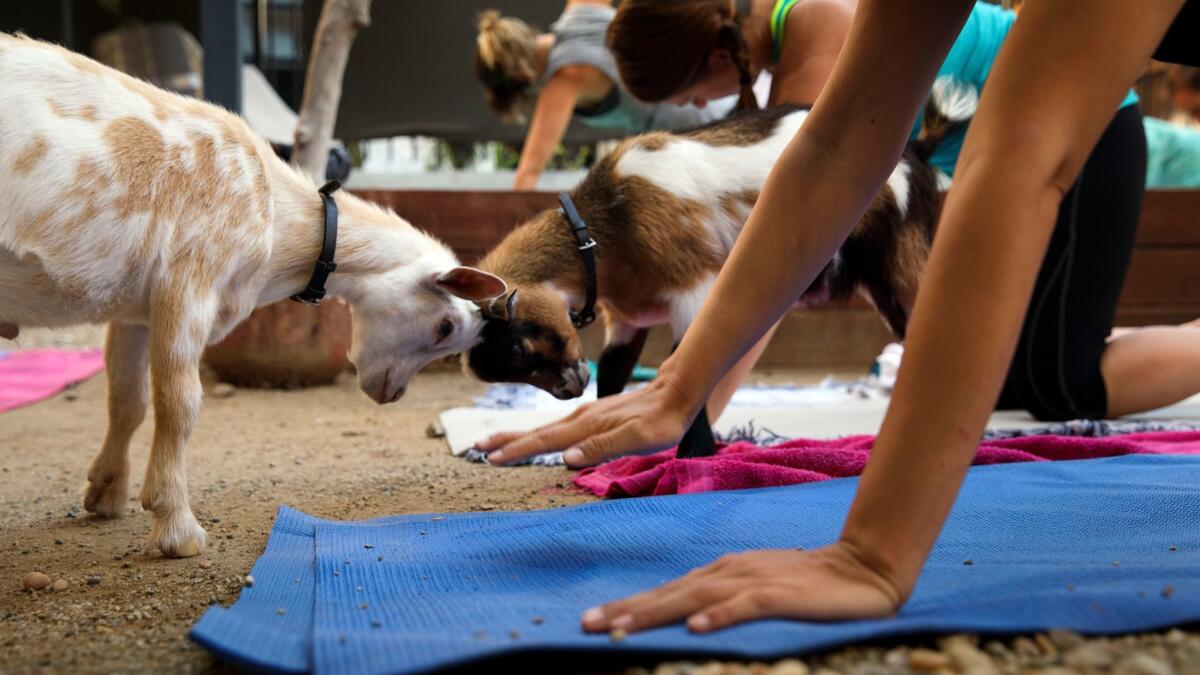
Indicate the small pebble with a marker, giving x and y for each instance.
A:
(928, 660)
(281, 611)
(205, 564)
(1168, 591)
(93, 581)
(248, 581)
(789, 667)
(514, 634)
(58, 542)
(368, 546)
(59, 586)
(435, 430)
(1173, 549)
(376, 623)
(1142, 664)
(363, 606)
(537, 621)
(968, 562)
(618, 634)
(223, 390)
(35, 581)
(379, 557)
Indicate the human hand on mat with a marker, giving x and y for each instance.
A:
(827, 584)
(649, 419)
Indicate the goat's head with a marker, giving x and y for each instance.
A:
(411, 315)
(528, 337)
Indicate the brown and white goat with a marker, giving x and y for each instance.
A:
(665, 210)
(168, 218)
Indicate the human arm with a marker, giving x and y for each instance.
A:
(842, 154)
(991, 240)
(555, 104)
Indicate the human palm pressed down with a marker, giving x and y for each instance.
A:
(1048, 102)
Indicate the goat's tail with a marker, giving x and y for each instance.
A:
(951, 104)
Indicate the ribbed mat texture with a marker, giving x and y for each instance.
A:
(1096, 546)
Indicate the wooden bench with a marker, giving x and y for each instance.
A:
(1163, 285)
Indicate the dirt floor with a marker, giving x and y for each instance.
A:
(330, 452)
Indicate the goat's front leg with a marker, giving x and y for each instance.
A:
(698, 441)
(623, 345)
(177, 340)
(125, 359)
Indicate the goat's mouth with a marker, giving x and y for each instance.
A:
(388, 391)
(572, 382)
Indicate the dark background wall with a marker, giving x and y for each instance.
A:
(410, 73)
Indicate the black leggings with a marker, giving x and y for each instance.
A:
(1055, 372)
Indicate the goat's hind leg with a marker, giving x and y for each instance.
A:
(125, 357)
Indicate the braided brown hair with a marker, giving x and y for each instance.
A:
(662, 46)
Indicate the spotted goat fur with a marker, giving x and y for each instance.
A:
(169, 219)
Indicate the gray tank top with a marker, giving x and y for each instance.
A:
(579, 37)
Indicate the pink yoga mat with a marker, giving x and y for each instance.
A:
(744, 465)
(30, 376)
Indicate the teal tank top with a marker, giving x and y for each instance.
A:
(969, 61)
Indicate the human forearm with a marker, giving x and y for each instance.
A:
(990, 244)
(546, 129)
(842, 154)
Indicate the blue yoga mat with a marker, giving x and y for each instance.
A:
(1083, 545)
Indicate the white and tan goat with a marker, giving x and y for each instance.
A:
(170, 219)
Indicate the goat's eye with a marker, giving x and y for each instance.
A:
(445, 329)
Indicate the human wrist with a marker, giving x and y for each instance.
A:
(525, 178)
(682, 395)
(897, 567)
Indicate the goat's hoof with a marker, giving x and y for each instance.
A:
(178, 535)
(106, 496)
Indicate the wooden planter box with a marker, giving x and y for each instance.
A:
(285, 345)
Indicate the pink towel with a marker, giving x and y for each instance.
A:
(744, 465)
(36, 374)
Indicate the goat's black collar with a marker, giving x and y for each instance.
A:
(315, 291)
(586, 246)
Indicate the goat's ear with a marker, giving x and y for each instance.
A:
(471, 284)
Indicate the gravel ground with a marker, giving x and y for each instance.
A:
(328, 451)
